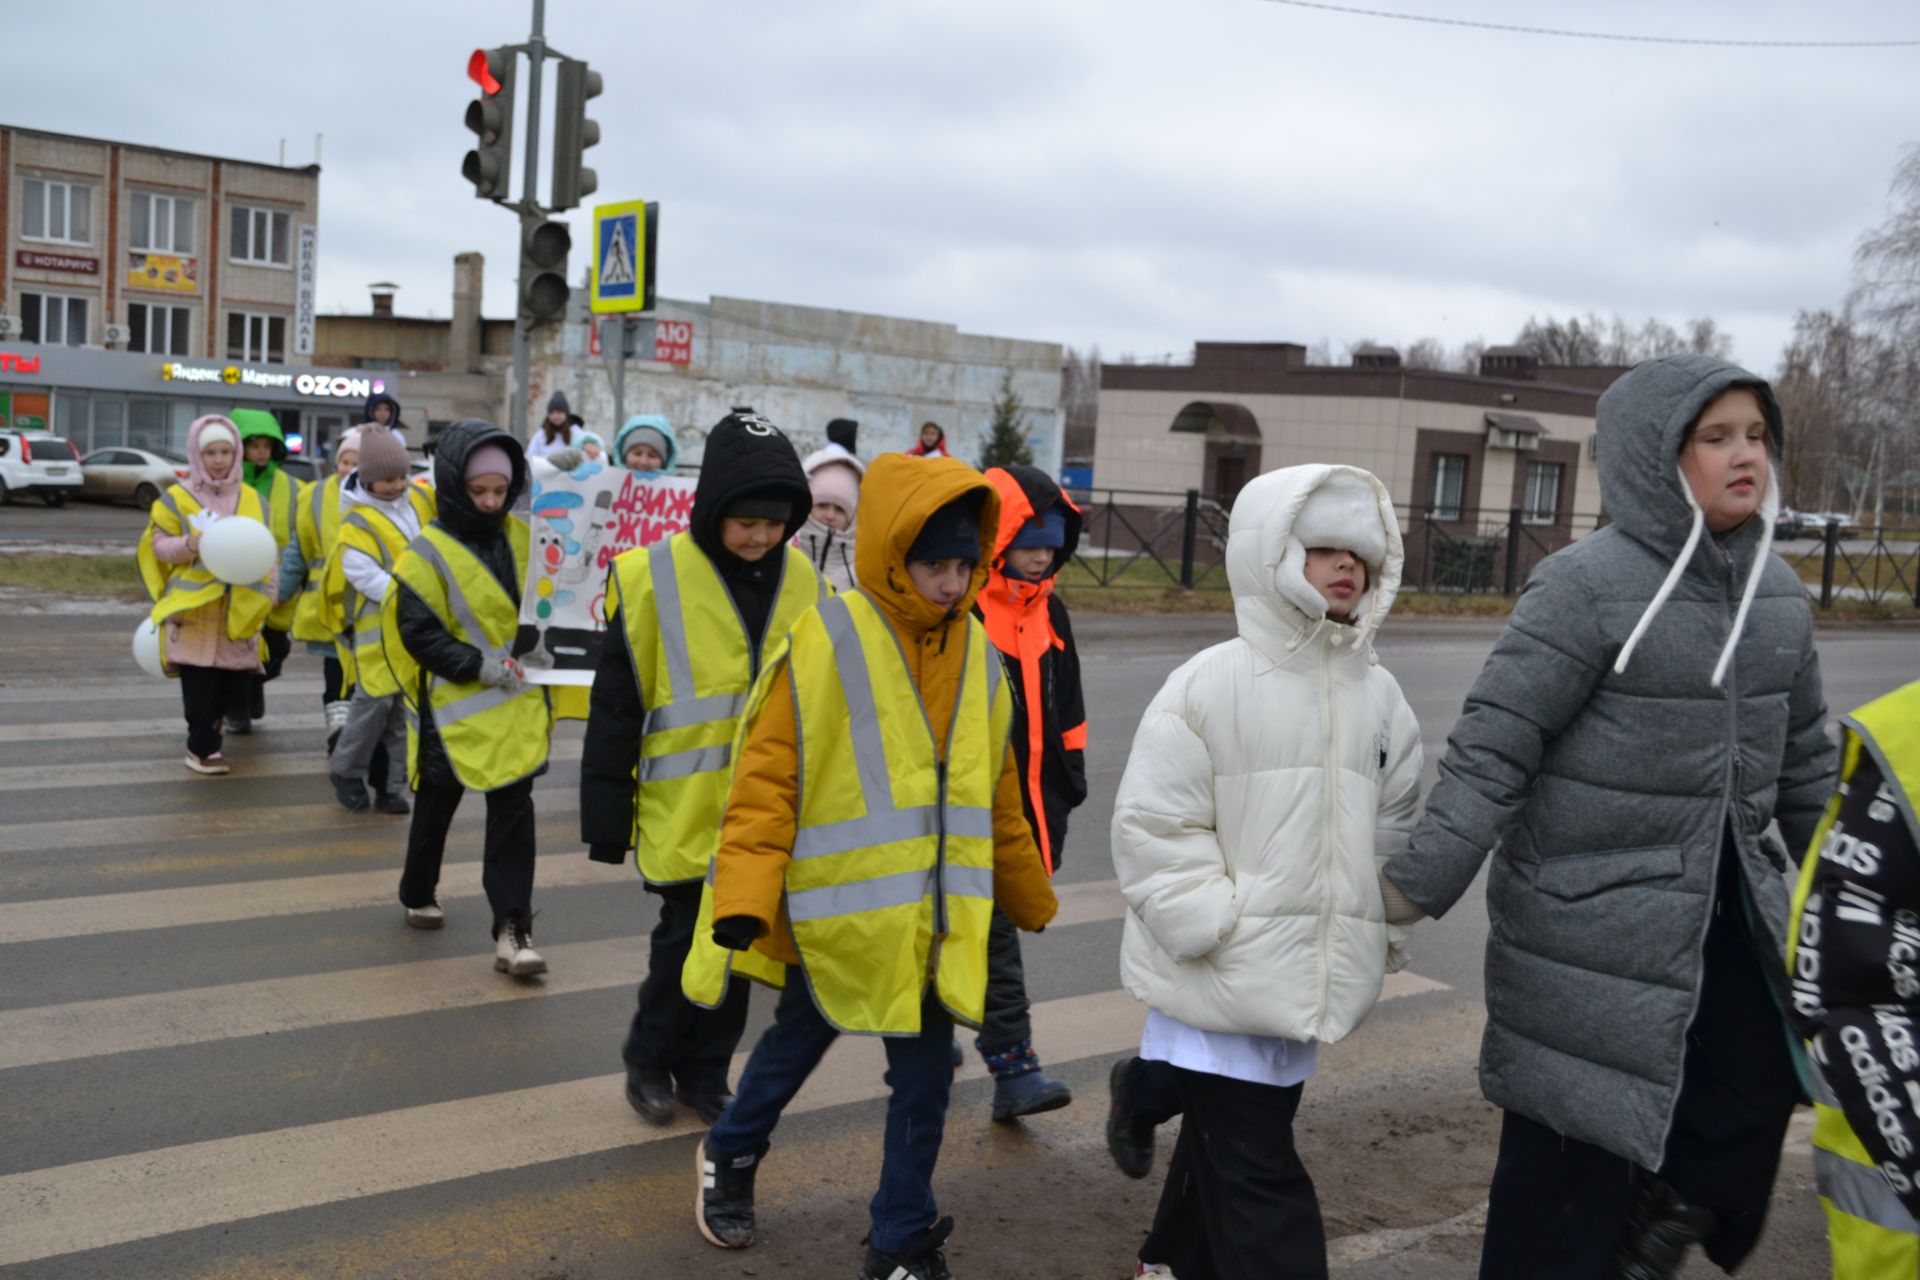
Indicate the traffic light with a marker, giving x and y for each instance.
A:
(573, 133)
(489, 166)
(544, 246)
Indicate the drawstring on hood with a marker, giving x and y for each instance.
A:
(1642, 426)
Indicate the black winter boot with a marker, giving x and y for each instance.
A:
(920, 1260)
(1660, 1228)
(1020, 1088)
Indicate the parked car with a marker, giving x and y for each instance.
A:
(304, 470)
(38, 462)
(1816, 523)
(138, 476)
(1789, 524)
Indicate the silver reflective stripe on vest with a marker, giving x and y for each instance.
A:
(968, 882)
(319, 505)
(673, 622)
(683, 713)
(168, 501)
(479, 701)
(1859, 1191)
(856, 685)
(456, 598)
(897, 890)
(890, 825)
(685, 764)
(1822, 1091)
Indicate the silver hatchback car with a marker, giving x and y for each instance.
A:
(120, 474)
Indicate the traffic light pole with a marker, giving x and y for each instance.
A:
(529, 214)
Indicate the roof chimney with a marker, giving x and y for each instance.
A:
(383, 291)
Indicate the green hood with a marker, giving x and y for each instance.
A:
(253, 423)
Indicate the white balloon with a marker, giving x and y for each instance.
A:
(238, 550)
(146, 648)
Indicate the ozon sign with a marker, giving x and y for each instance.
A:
(337, 388)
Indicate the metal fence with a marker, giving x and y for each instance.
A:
(1146, 539)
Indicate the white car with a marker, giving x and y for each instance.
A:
(138, 476)
(38, 462)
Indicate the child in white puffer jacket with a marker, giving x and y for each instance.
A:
(1268, 780)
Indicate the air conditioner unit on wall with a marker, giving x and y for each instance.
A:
(116, 335)
(9, 326)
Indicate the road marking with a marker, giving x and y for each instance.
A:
(147, 689)
(45, 1213)
(114, 730)
(284, 764)
(165, 1020)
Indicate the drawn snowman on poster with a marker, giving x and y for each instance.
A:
(567, 536)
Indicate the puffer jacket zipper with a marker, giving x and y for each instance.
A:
(1330, 810)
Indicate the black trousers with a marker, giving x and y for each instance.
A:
(1007, 1021)
(332, 677)
(205, 695)
(506, 871)
(1238, 1204)
(250, 703)
(670, 1032)
(1558, 1207)
(1151, 1090)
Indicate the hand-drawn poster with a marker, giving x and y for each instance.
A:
(581, 520)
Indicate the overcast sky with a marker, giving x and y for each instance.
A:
(1132, 173)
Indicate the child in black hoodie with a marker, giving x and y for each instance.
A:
(688, 621)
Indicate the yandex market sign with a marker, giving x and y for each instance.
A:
(319, 386)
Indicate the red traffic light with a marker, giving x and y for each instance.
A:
(481, 73)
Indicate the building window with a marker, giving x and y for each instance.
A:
(54, 319)
(1542, 505)
(162, 224)
(252, 336)
(1449, 484)
(260, 236)
(58, 211)
(159, 330)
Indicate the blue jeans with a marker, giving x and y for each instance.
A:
(919, 1074)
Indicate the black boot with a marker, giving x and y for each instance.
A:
(1129, 1137)
(724, 1209)
(1660, 1228)
(650, 1092)
(920, 1260)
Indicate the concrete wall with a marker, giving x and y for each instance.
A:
(801, 366)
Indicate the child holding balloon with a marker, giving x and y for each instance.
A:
(210, 601)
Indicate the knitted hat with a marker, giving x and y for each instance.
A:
(382, 456)
(214, 430)
(558, 401)
(487, 460)
(1048, 529)
(652, 437)
(762, 504)
(838, 483)
(951, 533)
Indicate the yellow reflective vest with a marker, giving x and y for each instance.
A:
(280, 520)
(492, 738)
(354, 619)
(316, 524)
(178, 588)
(891, 880)
(693, 664)
(1869, 1231)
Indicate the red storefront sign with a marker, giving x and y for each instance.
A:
(673, 341)
(19, 364)
(35, 260)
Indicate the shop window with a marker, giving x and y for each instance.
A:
(252, 336)
(161, 331)
(162, 224)
(70, 417)
(53, 318)
(261, 236)
(109, 424)
(57, 211)
(1542, 504)
(1449, 485)
(147, 424)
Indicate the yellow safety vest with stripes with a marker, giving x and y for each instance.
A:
(317, 525)
(891, 880)
(1869, 1231)
(694, 664)
(279, 506)
(353, 618)
(492, 738)
(178, 588)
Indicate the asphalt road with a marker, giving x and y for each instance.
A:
(222, 1054)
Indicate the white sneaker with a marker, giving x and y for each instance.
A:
(513, 950)
(213, 765)
(427, 917)
(1157, 1269)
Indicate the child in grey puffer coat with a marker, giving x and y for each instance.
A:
(1651, 708)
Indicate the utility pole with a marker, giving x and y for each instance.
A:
(529, 216)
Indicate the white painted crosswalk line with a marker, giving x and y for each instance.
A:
(47, 1213)
(284, 764)
(111, 730)
(282, 694)
(123, 1024)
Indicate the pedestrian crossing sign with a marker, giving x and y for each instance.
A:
(624, 242)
